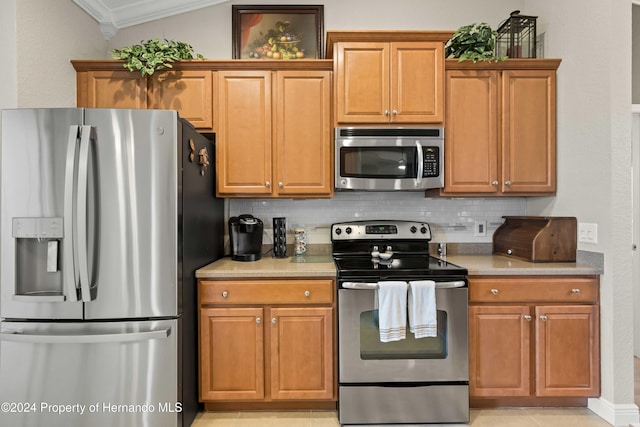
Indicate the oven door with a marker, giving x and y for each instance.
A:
(365, 359)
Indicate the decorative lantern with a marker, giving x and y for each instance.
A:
(517, 36)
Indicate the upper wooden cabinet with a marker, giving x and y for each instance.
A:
(500, 127)
(388, 77)
(274, 133)
(105, 84)
(272, 118)
(189, 92)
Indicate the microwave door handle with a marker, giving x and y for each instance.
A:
(420, 164)
(70, 272)
(86, 290)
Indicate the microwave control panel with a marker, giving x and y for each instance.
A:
(431, 160)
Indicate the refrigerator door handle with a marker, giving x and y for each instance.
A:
(87, 290)
(70, 272)
(84, 339)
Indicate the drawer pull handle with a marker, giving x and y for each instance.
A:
(527, 318)
(544, 318)
(494, 183)
(307, 293)
(575, 291)
(225, 294)
(494, 291)
(258, 320)
(274, 320)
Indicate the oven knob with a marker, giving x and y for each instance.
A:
(348, 230)
(423, 230)
(338, 231)
(413, 229)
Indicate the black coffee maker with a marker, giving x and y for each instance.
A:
(245, 234)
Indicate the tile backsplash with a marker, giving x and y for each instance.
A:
(451, 220)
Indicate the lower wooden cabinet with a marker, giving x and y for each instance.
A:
(534, 337)
(267, 341)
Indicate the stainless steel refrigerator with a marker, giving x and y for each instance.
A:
(105, 216)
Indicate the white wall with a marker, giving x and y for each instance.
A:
(49, 33)
(636, 53)
(8, 89)
(208, 30)
(594, 167)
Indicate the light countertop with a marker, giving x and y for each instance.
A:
(309, 266)
(323, 266)
(487, 265)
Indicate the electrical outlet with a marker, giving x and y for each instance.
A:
(587, 232)
(480, 228)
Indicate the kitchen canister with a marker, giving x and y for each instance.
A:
(280, 237)
(299, 241)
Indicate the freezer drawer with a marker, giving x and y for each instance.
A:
(107, 374)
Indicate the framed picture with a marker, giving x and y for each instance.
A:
(277, 32)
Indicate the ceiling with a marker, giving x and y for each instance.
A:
(115, 14)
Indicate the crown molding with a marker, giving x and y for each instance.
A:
(113, 15)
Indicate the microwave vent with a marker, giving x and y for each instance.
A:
(390, 132)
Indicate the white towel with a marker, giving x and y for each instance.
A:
(392, 310)
(423, 321)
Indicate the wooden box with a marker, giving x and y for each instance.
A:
(537, 238)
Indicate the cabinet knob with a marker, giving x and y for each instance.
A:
(527, 318)
(280, 184)
(494, 291)
(225, 294)
(386, 112)
(307, 293)
(395, 112)
(258, 320)
(274, 320)
(543, 318)
(494, 183)
(267, 184)
(575, 291)
(507, 183)
(509, 251)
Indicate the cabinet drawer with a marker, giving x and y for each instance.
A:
(266, 292)
(534, 289)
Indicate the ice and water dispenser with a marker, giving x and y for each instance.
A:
(38, 259)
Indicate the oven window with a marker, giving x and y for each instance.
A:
(409, 348)
(378, 162)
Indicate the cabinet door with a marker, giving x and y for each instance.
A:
(471, 136)
(243, 133)
(111, 89)
(301, 353)
(417, 82)
(529, 131)
(567, 351)
(303, 133)
(499, 351)
(189, 92)
(362, 82)
(231, 354)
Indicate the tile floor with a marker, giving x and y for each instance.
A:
(513, 417)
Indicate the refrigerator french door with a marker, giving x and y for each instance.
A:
(105, 215)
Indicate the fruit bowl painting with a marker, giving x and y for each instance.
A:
(277, 32)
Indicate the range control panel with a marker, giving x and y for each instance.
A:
(369, 230)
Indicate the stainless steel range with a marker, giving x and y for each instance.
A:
(409, 381)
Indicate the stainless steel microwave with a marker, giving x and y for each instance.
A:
(389, 159)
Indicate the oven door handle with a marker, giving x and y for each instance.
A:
(373, 286)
